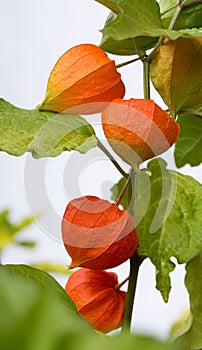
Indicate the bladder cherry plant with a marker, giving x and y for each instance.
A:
(97, 234)
(82, 81)
(138, 129)
(153, 212)
(98, 298)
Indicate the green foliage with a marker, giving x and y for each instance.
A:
(32, 317)
(192, 337)
(188, 148)
(135, 19)
(111, 4)
(190, 17)
(167, 218)
(50, 267)
(119, 31)
(141, 18)
(9, 230)
(41, 279)
(42, 133)
(133, 342)
(125, 46)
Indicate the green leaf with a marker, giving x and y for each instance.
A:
(126, 46)
(42, 133)
(192, 338)
(142, 18)
(8, 230)
(133, 342)
(50, 267)
(190, 17)
(188, 148)
(181, 326)
(135, 19)
(168, 217)
(111, 4)
(42, 279)
(26, 244)
(33, 318)
(175, 34)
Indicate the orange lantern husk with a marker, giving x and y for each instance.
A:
(138, 129)
(97, 234)
(97, 299)
(82, 81)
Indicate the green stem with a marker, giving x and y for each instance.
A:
(168, 10)
(175, 17)
(128, 310)
(146, 77)
(180, 7)
(134, 268)
(109, 155)
(194, 2)
(119, 285)
(154, 51)
(127, 62)
(137, 49)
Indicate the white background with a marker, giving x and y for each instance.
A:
(33, 35)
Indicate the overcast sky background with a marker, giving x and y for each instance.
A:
(33, 35)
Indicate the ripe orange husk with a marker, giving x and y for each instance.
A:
(98, 302)
(97, 234)
(138, 129)
(82, 81)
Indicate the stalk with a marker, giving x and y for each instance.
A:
(121, 194)
(146, 79)
(134, 268)
(127, 62)
(109, 155)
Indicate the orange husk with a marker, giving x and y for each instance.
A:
(82, 81)
(98, 302)
(138, 129)
(97, 234)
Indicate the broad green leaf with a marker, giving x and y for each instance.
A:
(26, 244)
(181, 326)
(42, 133)
(9, 230)
(50, 267)
(33, 318)
(142, 18)
(174, 34)
(113, 5)
(41, 279)
(133, 342)
(126, 46)
(135, 19)
(190, 17)
(175, 72)
(188, 148)
(168, 217)
(192, 338)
